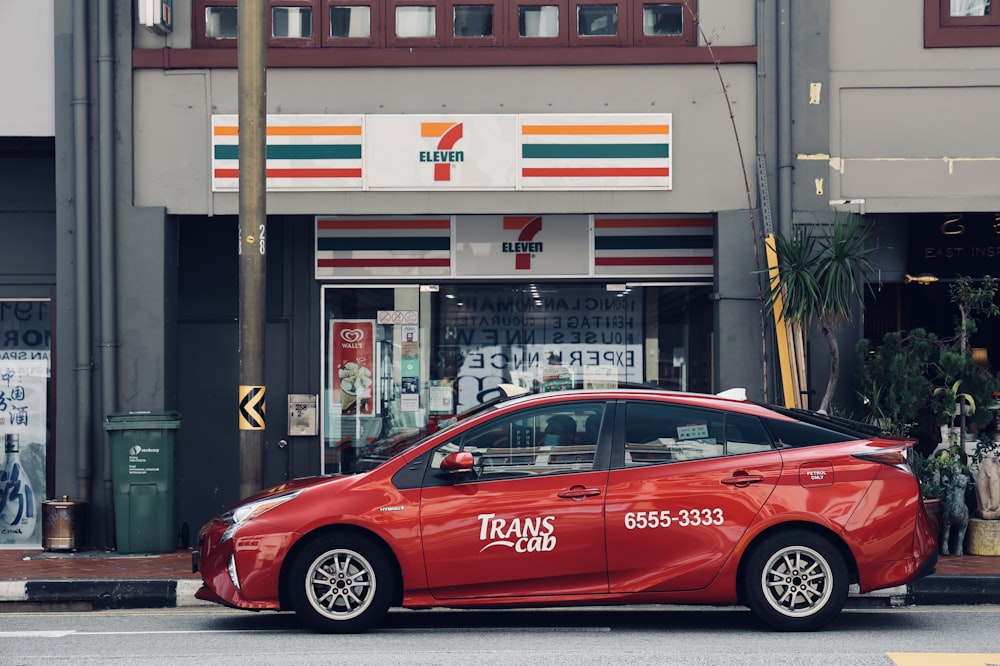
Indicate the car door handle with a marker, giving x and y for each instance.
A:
(579, 493)
(742, 480)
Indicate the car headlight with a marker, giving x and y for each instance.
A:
(244, 512)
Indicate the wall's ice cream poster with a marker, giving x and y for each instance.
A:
(24, 380)
(352, 343)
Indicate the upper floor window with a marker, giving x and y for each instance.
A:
(350, 22)
(417, 23)
(220, 23)
(961, 23)
(472, 20)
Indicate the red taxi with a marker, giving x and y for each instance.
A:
(585, 497)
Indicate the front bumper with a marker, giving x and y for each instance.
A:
(244, 571)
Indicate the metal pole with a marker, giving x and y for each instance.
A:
(252, 90)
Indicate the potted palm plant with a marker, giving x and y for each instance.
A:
(821, 280)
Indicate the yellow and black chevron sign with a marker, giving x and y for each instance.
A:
(252, 405)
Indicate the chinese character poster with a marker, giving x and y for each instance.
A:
(24, 381)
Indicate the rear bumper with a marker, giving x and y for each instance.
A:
(928, 568)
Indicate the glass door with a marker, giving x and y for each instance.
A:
(373, 345)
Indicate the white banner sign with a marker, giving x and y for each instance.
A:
(441, 152)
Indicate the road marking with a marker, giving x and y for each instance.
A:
(950, 658)
(73, 632)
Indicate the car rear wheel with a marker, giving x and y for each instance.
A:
(796, 581)
(341, 584)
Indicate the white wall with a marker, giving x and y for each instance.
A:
(27, 62)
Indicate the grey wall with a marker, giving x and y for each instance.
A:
(739, 348)
(172, 148)
(208, 363)
(147, 302)
(26, 62)
(27, 212)
(912, 129)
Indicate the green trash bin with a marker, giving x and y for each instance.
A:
(143, 462)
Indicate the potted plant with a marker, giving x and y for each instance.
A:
(928, 472)
(894, 384)
(911, 372)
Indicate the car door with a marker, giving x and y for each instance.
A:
(528, 520)
(686, 483)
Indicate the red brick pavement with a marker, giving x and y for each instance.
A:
(93, 565)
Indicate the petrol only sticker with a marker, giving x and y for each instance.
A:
(524, 535)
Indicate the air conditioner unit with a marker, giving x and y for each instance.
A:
(157, 15)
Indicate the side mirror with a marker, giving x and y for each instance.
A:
(458, 461)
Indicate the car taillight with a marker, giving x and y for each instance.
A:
(893, 457)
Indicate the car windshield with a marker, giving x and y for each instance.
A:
(397, 441)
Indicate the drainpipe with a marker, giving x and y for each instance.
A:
(784, 113)
(81, 202)
(106, 150)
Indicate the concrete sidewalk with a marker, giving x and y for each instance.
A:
(97, 580)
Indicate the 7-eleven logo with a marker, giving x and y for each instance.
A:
(525, 247)
(448, 134)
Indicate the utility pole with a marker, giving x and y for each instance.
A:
(252, 90)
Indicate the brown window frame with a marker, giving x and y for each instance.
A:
(621, 38)
(293, 42)
(499, 24)
(513, 22)
(376, 26)
(689, 28)
(942, 30)
(199, 25)
(505, 25)
(392, 40)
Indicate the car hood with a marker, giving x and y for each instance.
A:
(302, 484)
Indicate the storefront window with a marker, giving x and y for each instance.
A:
(25, 343)
(400, 358)
(554, 336)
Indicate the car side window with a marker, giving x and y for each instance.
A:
(660, 433)
(745, 434)
(552, 440)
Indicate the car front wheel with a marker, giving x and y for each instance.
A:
(796, 581)
(341, 584)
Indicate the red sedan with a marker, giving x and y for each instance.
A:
(585, 498)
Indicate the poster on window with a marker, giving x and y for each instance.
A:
(24, 378)
(352, 350)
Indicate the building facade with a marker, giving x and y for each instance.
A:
(461, 194)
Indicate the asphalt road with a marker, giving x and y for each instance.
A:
(911, 636)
